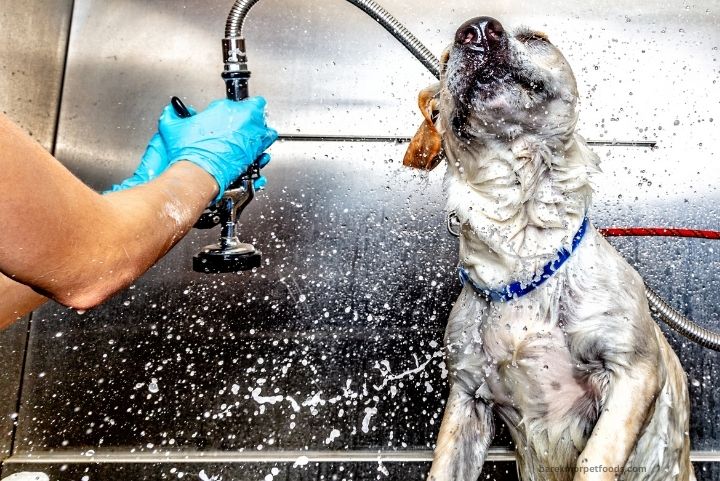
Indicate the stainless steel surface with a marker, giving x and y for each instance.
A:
(336, 73)
(33, 42)
(239, 11)
(291, 471)
(234, 54)
(359, 271)
(12, 352)
(367, 471)
(324, 456)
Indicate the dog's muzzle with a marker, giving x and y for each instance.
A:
(479, 61)
(481, 34)
(484, 43)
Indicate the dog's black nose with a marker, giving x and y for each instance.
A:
(481, 33)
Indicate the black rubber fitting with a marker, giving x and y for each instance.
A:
(237, 84)
(217, 261)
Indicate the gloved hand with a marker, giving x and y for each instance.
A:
(153, 163)
(224, 139)
(156, 160)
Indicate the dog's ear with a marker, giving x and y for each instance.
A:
(425, 149)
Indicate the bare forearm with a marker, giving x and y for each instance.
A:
(143, 224)
(74, 245)
(138, 227)
(16, 300)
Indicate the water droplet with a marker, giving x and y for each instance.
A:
(153, 386)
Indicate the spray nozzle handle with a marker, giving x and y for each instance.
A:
(180, 109)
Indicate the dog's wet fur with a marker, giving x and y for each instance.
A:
(577, 368)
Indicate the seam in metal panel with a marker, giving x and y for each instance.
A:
(23, 365)
(400, 140)
(208, 457)
(59, 93)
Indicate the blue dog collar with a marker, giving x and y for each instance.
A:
(518, 289)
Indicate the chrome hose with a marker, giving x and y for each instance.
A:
(236, 22)
(236, 17)
(682, 324)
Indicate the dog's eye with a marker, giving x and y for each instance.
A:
(531, 37)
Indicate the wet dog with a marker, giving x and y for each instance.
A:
(552, 329)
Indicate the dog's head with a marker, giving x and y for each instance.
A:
(495, 84)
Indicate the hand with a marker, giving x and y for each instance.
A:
(224, 139)
(153, 163)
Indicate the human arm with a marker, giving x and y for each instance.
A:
(78, 247)
(16, 300)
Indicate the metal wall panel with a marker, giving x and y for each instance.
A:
(360, 273)
(644, 70)
(12, 350)
(33, 41)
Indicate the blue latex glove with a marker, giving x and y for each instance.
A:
(153, 163)
(155, 160)
(224, 139)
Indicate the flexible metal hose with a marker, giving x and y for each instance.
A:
(236, 22)
(682, 324)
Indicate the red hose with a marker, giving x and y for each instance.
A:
(658, 231)
(671, 316)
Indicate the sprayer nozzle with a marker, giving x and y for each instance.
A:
(214, 259)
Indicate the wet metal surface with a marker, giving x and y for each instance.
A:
(296, 471)
(12, 350)
(335, 343)
(340, 330)
(280, 358)
(33, 42)
(283, 471)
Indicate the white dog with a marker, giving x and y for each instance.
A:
(552, 329)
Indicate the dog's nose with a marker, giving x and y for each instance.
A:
(481, 33)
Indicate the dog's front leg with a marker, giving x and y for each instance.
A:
(630, 393)
(465, 435)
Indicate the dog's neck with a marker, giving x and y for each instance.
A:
(519, 202)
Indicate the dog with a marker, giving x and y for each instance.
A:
(552, 330)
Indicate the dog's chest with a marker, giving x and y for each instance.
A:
(515, 357)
